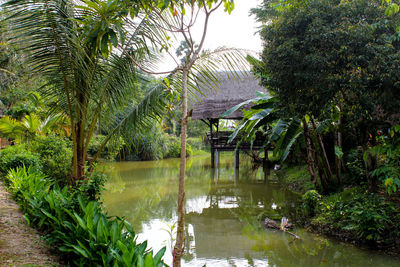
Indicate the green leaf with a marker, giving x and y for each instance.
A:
(262, 114)
(148, 260)
(289, 146)
(159, 255)
(104, 45)
(140, 262)
(278, 129)
(114, 232)
(338, 152)
(113, 37)
(80, 251)
(80, 221)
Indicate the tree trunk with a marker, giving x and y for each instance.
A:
(310, 158)
(325, 160)
(180, 235)
(337, 160)
(78, 165)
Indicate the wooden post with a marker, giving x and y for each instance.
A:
(212, 157)
(266, 165)
(236, 178)
(216, 156)
(237, 159)
(212, 144)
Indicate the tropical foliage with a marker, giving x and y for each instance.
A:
(324, 70)
(77, 226)
(85, 78)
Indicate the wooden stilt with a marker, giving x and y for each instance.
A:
(212, 158)
(236, 178)
(237, 159)
(216, 158)
(266, 165)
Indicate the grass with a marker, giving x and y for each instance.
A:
(297, 178)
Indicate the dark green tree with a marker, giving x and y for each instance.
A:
(331, 62)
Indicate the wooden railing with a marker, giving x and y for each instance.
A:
(219, 140)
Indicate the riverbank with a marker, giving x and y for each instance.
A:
(351, 214)
(20, 244)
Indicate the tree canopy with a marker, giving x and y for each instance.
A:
(321, 52)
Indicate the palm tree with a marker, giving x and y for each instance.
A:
(32, 125)
(77, 49)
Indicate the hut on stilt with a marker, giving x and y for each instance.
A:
(212, 100)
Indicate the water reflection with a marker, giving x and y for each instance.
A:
(224, 208)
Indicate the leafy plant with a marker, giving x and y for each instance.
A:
(77, 226)
(18, 156)
(366, 215)
(109, 152)
(388, 149)
(310, 201)
(55, 156)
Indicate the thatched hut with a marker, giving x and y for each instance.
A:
(230, 90)
(213, 100)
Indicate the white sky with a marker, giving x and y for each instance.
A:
(237, 30)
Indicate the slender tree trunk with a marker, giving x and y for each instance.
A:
(79, 171)
(179, 248)
(321, 172)
(337, 160)
(310, 152)
(325, 160)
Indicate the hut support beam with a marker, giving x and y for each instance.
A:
(237, 159)
(212, 158)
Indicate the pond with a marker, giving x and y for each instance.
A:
(224, 209)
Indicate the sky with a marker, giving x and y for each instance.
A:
(237, 30)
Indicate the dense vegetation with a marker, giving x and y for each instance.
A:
(75, 87)
(75, 223)
(332, 71)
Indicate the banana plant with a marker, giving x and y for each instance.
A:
(263, 117)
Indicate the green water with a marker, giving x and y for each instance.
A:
(222, 226)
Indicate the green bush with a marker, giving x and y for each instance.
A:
(77, 226)
(196, 143)
(55, 156)
(18, 156)
(388, 153)
(174, 148)
(355, 166)
(150, 145)
(367, 215)
(110, 151)
(310, 201)
(93, 185)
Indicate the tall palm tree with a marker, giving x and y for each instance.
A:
(77, 48)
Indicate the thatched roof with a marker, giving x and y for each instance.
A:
(231, 90)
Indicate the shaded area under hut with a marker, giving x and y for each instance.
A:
(214, 100)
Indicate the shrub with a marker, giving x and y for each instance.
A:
(310, 201)
(55, 156)
(77, 226)
(13, 157)
(355, 166)
(367, 215)
(174, 148)
(196, 143)
(110, 151)
(150, 145)
(93, 185)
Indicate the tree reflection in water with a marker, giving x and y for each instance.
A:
(224, 211)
